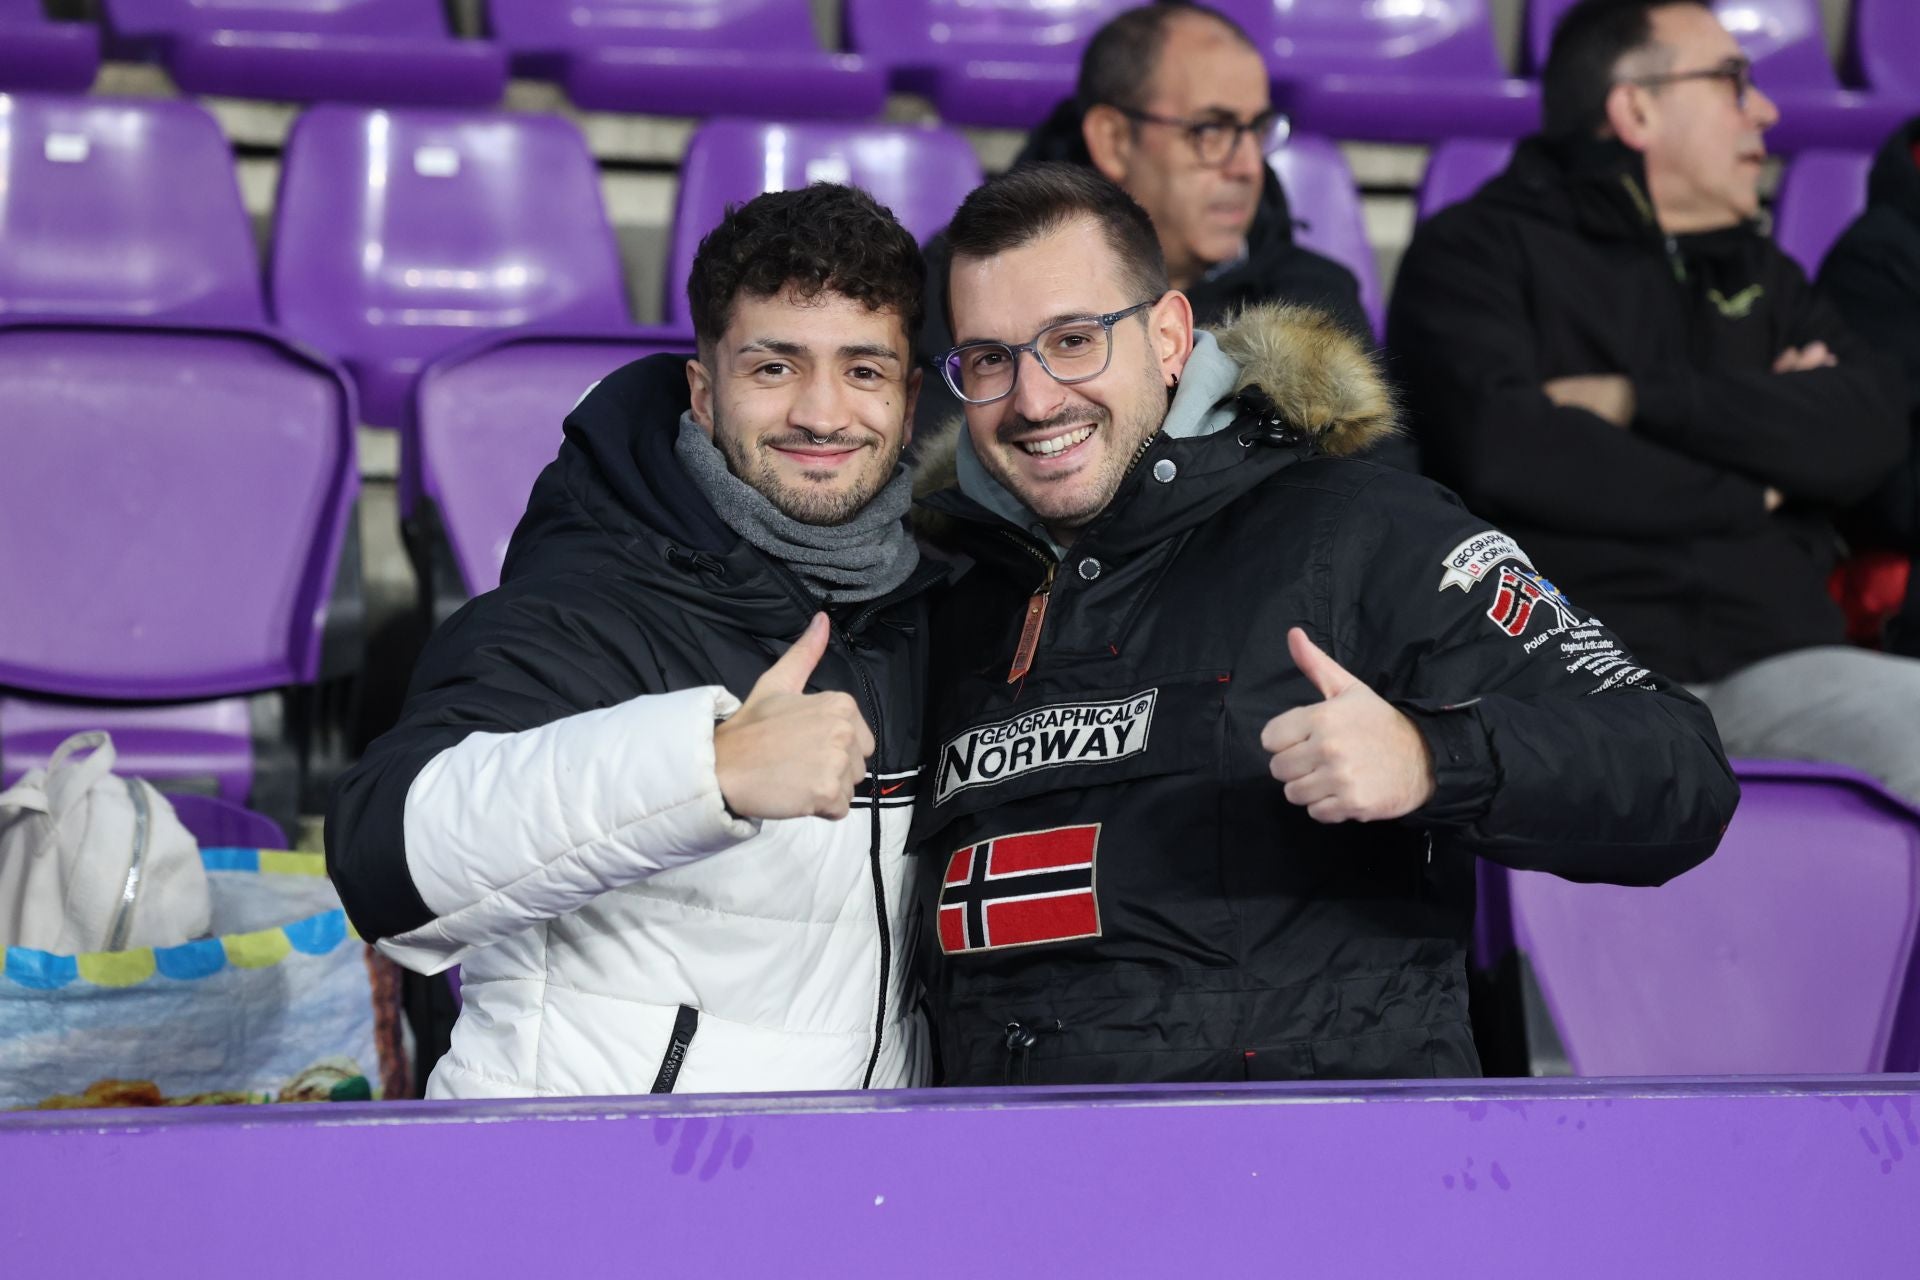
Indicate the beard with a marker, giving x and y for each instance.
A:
(826, 499)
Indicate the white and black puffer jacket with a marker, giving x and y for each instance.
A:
(546, 814)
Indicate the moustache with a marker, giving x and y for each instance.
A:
(803, 439)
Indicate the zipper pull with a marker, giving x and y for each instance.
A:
(1030, 629)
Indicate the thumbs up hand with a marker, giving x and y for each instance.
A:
(1353, 756)
(788, 753)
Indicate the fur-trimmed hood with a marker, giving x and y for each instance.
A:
(1321, 380)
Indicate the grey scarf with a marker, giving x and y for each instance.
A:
(863, 559)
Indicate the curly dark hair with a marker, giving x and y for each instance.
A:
(821, 238)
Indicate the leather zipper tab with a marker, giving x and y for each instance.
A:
(1030, 630)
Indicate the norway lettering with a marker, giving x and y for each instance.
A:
(1046, 738)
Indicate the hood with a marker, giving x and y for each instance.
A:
(1597, 186)
(1895, 181)
(1059, 137)
(1321, 383)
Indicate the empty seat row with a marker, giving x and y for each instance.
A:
(1412, 72)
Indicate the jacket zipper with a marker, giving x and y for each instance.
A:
(685, 1023)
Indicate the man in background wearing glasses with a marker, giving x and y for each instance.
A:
(1173, 105)
(1604, 352)
(1222, 716)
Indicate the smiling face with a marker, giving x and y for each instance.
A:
(1704, 151)
(1064, 449)
(1201, 212)
(810, 400)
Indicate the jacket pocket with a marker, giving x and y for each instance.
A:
(685, 1023)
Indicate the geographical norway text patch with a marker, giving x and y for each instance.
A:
(1045, 738)
(1469, 562)
(1018, 890)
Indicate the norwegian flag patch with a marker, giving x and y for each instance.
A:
(1019, 890)
(1520, 593)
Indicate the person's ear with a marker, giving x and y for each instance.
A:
(914, 379)
(1109, 139)
(700, 386)
(1630, 115)
(1170, 330)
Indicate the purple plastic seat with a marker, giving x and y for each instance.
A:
(389, 52)
(1791, 950)
(1003, 63)
(173, 510)
(400, 234)
(36, 53)
(922, 174)
(1881, 39)
(1389, 72)
(1784, 38)
(1821, 193)
(486, 421)
(1326, 213)
(1459, 167)
(118, 208)
(213, 821)
(689, 57)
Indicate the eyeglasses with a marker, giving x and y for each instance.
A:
(1071, 351)
(1215, 141)
(1737, 72)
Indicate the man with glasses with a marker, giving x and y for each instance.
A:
(1173, 105)
(1604, 352)
(1221, 716)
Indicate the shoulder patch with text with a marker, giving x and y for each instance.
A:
(1469, 562)
(1066, 733)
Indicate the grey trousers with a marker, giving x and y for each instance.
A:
(1835, 704)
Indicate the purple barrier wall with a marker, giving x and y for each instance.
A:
(1557, 1178)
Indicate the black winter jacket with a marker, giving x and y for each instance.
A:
(1872, 274)
(1121, 892)
(1556, 268)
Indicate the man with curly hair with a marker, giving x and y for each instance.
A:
(652, 793)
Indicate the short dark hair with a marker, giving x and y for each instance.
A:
(1122, 58)
(1588, 43)
(1034, 200)
(823, 238)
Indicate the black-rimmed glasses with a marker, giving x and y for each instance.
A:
(1737, 72)
(1214, 141)
(1071, 351)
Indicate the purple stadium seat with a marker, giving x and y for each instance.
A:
(1326, 213)
(981, 62)
(174, 507)
(213, 821)
(389, 52)
(1821, 193)
(1390, 72)
(1791, 950)
(121, 208)
(399, 234)
(1459, 167)
(689, 57)
(922, 174)
(36, 53)
(1790, 62)
(486, 420)
(1881, 39)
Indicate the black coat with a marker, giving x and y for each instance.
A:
(1558, 268)
(1121, 891)
(1274, 270)
(1872, 274)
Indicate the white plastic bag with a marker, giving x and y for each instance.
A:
(90, 862)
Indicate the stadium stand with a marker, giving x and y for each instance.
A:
(391, 52)
(399, 234)
(37, 53)
(681, 58)
(1327, 215)
(213, 821)
(1821, 193)
(1458, 167)
(122, 208)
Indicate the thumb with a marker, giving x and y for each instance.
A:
(1328, 676)
(791, 673)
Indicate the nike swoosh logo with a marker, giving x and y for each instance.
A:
(887, 791)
